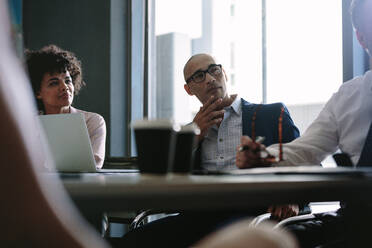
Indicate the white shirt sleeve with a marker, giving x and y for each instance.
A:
(97, 133)
(319, 140)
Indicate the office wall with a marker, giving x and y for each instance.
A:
(82, 27)
(173, 50)
(119, 85)
(89, 28)
(15, 11)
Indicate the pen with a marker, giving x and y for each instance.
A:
(259, 140)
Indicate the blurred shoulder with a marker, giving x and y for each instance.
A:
(90, 117)
(276, 105)
(266, 106)
(357, 84)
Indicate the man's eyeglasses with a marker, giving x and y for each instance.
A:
(199, 76)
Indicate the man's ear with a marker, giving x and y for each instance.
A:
(38, 96)
(188, 90)
(361, 39)
(224, 73)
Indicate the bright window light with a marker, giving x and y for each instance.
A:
(303, 50)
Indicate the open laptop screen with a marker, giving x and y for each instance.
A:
(69, 142)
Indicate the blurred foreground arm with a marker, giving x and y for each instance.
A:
(34, 212)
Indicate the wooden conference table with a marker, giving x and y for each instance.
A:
(248, 188)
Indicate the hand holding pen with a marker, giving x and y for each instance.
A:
(259, 140)
(253, 154)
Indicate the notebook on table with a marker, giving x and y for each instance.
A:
(69, 143)
(300, 170)
(292, 170)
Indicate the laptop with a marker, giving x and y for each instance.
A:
(69, 143)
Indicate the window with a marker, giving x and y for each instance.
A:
(272, 50)
(304, 55)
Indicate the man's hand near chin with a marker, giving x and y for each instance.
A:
(210, 113)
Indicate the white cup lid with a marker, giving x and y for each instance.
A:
(192, 127)
(155, 124)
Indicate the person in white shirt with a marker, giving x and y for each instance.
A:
(56, 77)
(345, 123)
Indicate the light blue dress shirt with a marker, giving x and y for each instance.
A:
(219, 144)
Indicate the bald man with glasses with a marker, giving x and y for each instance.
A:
(223, 119)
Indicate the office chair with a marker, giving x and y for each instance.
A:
(243, 235)
(34, 212)
(308, 213)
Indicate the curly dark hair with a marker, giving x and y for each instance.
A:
(52, 59)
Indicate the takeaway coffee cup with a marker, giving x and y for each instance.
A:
(155, 142)
(185, 144)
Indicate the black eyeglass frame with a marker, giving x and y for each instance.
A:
(191, 78)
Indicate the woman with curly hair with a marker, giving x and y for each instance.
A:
(56, 77)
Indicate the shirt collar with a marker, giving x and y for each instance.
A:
(73, 110)
(236, 105)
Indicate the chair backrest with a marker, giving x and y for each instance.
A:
(243, 235)
(34, 212)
